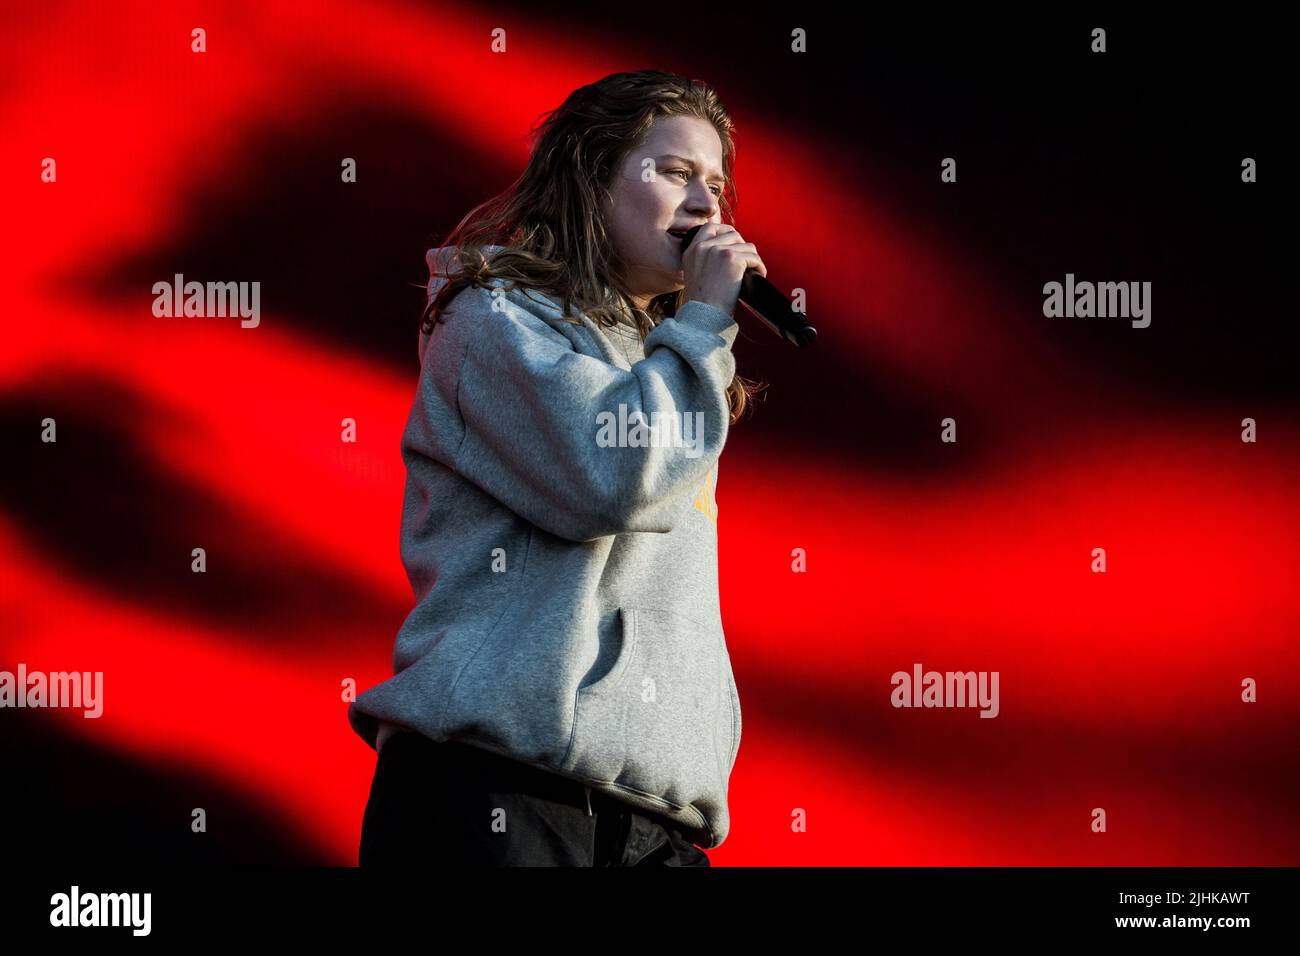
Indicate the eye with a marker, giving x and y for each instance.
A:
(717, 190)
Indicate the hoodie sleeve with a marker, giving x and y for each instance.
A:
(536, 417)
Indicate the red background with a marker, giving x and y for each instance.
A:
(223, 690)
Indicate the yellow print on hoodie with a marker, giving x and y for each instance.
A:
(705, 501)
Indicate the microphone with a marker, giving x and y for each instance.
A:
(767, 302)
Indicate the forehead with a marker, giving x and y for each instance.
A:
(690, 137)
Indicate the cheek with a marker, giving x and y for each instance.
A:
(639, 222)
(652, 202)
(641, 212)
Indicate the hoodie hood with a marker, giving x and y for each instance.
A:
(441, 261)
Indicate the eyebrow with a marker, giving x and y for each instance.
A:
(717, 177)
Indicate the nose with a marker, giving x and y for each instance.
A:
(701, 202)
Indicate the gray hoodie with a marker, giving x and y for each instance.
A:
(563, 555)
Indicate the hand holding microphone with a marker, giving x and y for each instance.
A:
(714, 259)
(722, 269)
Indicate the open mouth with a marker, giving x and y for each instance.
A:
(677, 233)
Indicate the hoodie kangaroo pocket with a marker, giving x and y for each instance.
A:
(661, 720)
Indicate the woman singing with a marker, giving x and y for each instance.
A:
(562, 691)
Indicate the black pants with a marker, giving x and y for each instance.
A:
(452, 804)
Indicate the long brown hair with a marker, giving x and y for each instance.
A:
(549, 221)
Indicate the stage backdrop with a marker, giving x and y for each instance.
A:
(1100, 511)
